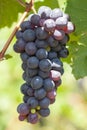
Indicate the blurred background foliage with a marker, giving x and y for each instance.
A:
(69, 112)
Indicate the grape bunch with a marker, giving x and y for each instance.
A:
(41, 42)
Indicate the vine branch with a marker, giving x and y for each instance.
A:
(28, 6)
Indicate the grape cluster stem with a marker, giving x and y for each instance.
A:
(29, 7)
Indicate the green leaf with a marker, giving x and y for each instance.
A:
(80, 62)
(77, 9)
(9, 10)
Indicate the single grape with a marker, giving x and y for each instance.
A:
(41, 34)
(30, 91)
(55, 75)
(43, 74)
(58, 34)
(31, 72)
(58, 83)
(57, 48)
(23, 109)
(25, 98)
(61, 22)
(44, 112)
(49, 84)
(41, 22)
(41, 54)
(52, 55)
(70, 27)
(22, 117)
(24, 56)
(41, 44)
(32, 62)
(29, 35)
(32, 118)
(40, 93)
(26, 25)
(44, 103)
(56, 13)
(24, 75)
(32, 102)
(36, 82)
(49, 25)
(44, 12)
(45, 65)
(52, 42)
(30, 48)
(51, 94)
(19, 46)
(66, 16)
(19, 34)
(35, 18)
(28, 80)
(24, 66)
(24, 88)
(63, 53)
(52, 101)
(64, 40)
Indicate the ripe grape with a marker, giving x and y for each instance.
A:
(49, 84)
(32, 118)
(44, 112)
(41, 54)
(32, 102)
(44, 103)
(40, 93)
(23, 109)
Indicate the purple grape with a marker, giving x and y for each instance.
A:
(24, 66)
(30, 91)
(44, 103)
(49, 25)
(23, 109)
(32, 118)
(25, 98)
(36, 82)
(51, 94)
(45, 65)
(19, 46)
(35, 18)
(24, 88)
(61, 22)
(44, 12)
(64, 40)
(43, 74)
(29, 35)
(63, 53)
(32, 62)
(52, 55)
(19, 34)
(24, 56)
(49, 84)
(26, 25)
(52, 42)
(41, 54)
(31, 72)
(22, 117)
(70, 27)
(40, 93)
(58, 83)
(41, 44)
(32, 102)
(55, 75)
(30, 48)
(56, 13)
(58, 34)
(41, 34)
(44, 112)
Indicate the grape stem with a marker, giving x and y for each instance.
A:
(29, 7)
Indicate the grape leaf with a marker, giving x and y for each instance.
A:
(9, 12)
(78, 11)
